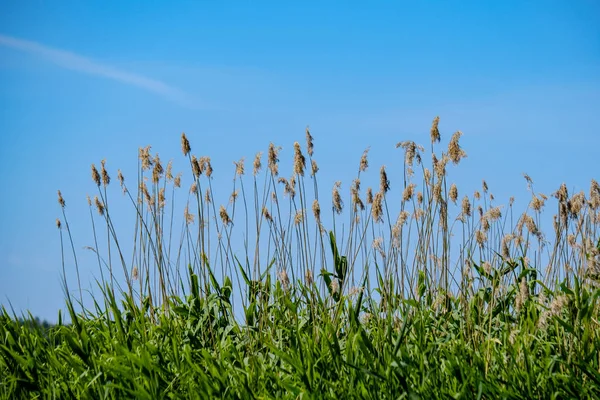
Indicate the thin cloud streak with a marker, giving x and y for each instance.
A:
(75, 62)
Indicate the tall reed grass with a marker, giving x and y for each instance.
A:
(281, 290)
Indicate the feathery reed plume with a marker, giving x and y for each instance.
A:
(194, 188)
(58, 224)
(273, 159)
(435, 132)
(169, 171)
(528, 180)
(206, 166)
(121, 178)
(185, 145)
(146, 193)
(384, 183)
(157, 171)
(354, 191)
(335, 286)
(224, 216)
(105, 177)
(309, 142)
(364, 162)
(89, 200)
(376, 208)
(480, 237)
(455, 152)
(144, 155)
(477, 195)
(562, 194)
(577, 203)
(177, 180)
(420, 197)
(407, 194)
(195, 167)
(594, 199)
(369, 195)
(257, 165)
(523, 294)
(537, 203)
(267, 214)
(484, 186)
(135, 273)
(189, 218)
(239, 167)
(284, 279)
(162, 201)
(453, 193)
(336, 198)
(96, 176)
(207, 197)
(299, 160)
(316, 208)
(99, 205)
(440, 166)
(314, 168)
(299, 217)
(505, 250)
(61, 201)
(308, 277)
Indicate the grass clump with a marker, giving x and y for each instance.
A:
(281, 293)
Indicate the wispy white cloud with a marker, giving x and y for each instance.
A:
(76, 62)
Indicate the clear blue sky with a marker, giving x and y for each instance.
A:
(83, 81)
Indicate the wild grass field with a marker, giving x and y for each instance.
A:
(288, 289)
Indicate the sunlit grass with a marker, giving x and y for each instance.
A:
(283, 290)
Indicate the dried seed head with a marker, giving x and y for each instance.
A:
(337, 202)
(594, 199)
(58, 224)
(437, 191)
(402, 217)
(195, 166)
(189, 218)
(61, 201)
(314, 168)
(354, 191)
(284, 279)
(453, 194)
(369, 196)
(266, 214)
(577, 204)
(169, 172)
(121, 178)
(316, 210)
(207, 196)
(299, 160)
(562, 194)
(407, 194)
(308, 277)
(420, 197)
(273, 160)
(384, 183)
(89, 200)
(484, 186)
(161, 198)
(522, 295)
(335, 286)
(185, 145)
(505, 246)
(376, 208)
(364, 162)
(477, 195)
(224, 216)
(233, 196)
(206, 166)
(299, 217)
(105, 177)
(495, 213)
(144, 155)
(480, 237)
(177, 180)
(239, 167)
(194, 188)
(558, 304)
(435, 132)
(537, 203)
(145, 192)
(440, 166)
(572, 240)
(135, 273)
(95, 175)
(157, 171)
(309, 142)
(528, 180)
(257, 163)
(427, 176)
(454, 150)
(485, 223)
(443, 213)
(99, 205)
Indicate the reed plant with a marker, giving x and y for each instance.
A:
(408, 289)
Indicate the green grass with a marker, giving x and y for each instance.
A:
(419, 296)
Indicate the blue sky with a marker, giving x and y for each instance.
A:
(83, 81)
